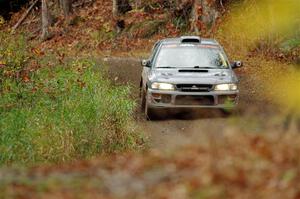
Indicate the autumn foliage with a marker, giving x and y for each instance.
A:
(259, 166)
(57, 107)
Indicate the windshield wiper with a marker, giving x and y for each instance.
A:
(204, 67)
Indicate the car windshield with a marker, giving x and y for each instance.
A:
(190, 56)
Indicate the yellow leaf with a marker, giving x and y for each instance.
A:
(2, 21)
(2, 63)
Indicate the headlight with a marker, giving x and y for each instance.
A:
(226, 87)
(162, 86)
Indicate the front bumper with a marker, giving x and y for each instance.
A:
(179, 99)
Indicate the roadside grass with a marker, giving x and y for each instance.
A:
(61, 113)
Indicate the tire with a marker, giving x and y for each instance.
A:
(227, 112)
(143, 99)
(148, 112)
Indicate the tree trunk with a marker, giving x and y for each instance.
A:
(115, 9)
(121, 7)
(138, 4)
(209, 14)
(66, 5)
(195, 17)
(204, 15)
(45, 21)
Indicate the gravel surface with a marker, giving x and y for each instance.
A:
(173, 130)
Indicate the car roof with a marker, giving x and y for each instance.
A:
(178, 40)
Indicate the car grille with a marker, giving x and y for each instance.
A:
(194, 100)
(194, 87)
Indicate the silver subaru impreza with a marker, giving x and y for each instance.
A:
(188, 72)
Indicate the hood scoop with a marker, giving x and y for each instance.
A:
(192, 71)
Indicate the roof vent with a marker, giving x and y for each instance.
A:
(190, 39)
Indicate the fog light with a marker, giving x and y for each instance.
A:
(224, 99)
(156, 95)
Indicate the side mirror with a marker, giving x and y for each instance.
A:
(145, 63)
(236, 64)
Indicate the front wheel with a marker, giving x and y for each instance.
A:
(227, 112)
(143, 99)
(148, 112)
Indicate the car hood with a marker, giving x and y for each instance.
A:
(193, 76)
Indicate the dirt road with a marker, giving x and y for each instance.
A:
(194, 127)
(221, 157)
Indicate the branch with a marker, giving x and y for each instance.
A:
(24, 16)
(222, 5)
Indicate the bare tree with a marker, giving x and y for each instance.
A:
(120, 7)
(115, 9)
(45, 21)
(66, 6)
(138, 4)
(290, 119)
(203, 16)
(195, 17)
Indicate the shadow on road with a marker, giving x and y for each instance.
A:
(188, 114)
